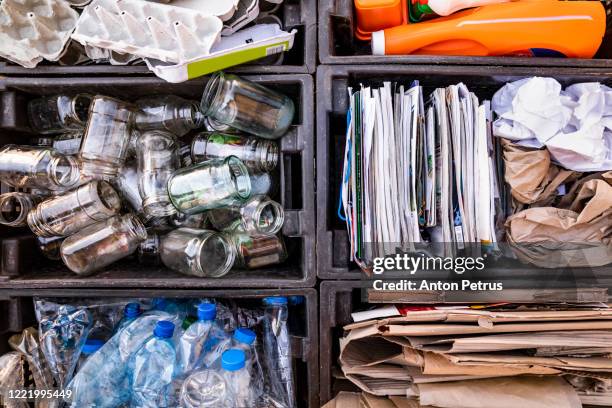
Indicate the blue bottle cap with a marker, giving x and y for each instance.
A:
(244, 335)
(91, 346)
(296, 300)
(132, 310)
(233, 359)
(164, 329)
(275, 300)
(207, 311)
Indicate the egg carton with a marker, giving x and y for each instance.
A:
(148, 30)
(224, 9)
(247, 11)
(33, 30)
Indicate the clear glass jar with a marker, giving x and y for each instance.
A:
(247, 106)
(258, 215)
(68, 143)
(101, 244)
(158, 159)
(255, 251)
(197, 252)
(126, 184)
(148, 250)
(59, 113)
(262, 183)
(199, 220)
(38, 167)
(257, 154)
(185, 154)
(63, 215)
(170, 113)
(212, 184)
(50, 247)
(14, 208)
(212, 125)
(105, 143)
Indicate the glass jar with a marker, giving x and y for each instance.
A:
(101, 244)
(197, 252)
(212, 184)
(59, 113)
(212, 125)
(63, 215)
(38, 167)
(185, 154)
(68, 143)
(158, 158)
(126, 184)
(105, 143)
(262, 183)
(258, 215)
(199, 220)
(247, 106)
(14, 208)
(170, 113)
(50, 247)
(148, 250)
(255, 251)
(257, 154)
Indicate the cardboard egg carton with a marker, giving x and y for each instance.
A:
(33, 30)
(148, 30)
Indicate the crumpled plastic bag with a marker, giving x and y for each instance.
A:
(12, 377)
(27, 344)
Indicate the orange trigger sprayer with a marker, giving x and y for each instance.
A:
(572, 28)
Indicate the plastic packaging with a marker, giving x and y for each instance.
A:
(255, 251)
(212, 184)
(14, 208)
(59, 113)
(63, 215)
(375, 15)
(12, 377)
(170, 113)
(247, 106)
(191, 345)
(28, 344)
(434, 8)
(204, 388)
(101, 244)
(89, 348)
(130, 313)
(259, 215)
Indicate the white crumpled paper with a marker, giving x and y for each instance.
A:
(574, 124)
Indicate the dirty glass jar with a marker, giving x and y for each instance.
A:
(256, 251)
(38, 167)
(258, 215)
(148, 250)
(247, 106)
(50, 247)
(101, 244)
(105, 142)
(63, 215)
(197, 252)
(14, 208)
(170, 113)
(257, 154)
(212, 184)
(59, 113)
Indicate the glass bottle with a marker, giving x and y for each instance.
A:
(101, 244)
(257, 154)
(68, 143)
(247, 106)
(63, 215)
(258, 215)
(148, 250)
(212, 184)
(38, 167)
(255, 251)
(170, 113)
(14, 208)
(105, 143)
(158, 158)
(50, 247)
(59, 113)
(197, 252)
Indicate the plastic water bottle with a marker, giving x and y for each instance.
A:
(89, 348)
(237, 378)
(277, 349)
(130, 313)
(152, 368)
(204, 388)
(244, 339)
(217, 342)
(191, 344)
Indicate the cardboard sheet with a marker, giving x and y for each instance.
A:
(437, 364)
(595, 364)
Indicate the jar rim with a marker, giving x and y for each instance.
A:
(211, 93)
(230, 253)
(239, 174)
(279, 216)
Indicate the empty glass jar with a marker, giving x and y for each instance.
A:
(63, 215)
(257, 154)
(38, 167)
(255, 251)
(170, 113)
(50, 247)
(14, 208)
(59, 113)
(212, 184)
(197, 252)
(101, 244)
(148, 250)
(262, 183)
(68, 143)
(247, 106)
(258, 215)
(105, 143)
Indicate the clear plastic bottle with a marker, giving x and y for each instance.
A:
(255, 251)
(212, 184)
(105, 142)
(63, 215)
(170, 113)
(68, 143)
(197, 252)
(237, 378)
(59, 113)
(148, 250)
(247, 106)
(191, 345)
(257, 154)
(258, 215)
(244, 339)
(131, 312)
(101, 244)
(89, 348)
(38, 167)
(158, 158)
(205, 389)
(152, 369)
(14, 208)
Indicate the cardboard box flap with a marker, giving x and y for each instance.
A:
(436, 364)
(566, 363)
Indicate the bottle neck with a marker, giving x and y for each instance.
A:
(191, 115)
(267, 154)
(212, 96)
(134, 228)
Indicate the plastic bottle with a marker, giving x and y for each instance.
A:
(258, 215)
(237, 378)
(170, 113)
(14, 208)
(151, 369)
(89, 348)
(130, 313)
(205, 388)
(245, 339)
(191, 345)
(59, 113)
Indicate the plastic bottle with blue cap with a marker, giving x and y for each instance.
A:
(89, 348)
(237, 378)
(130, 313)
(245, 339)
(191, 344)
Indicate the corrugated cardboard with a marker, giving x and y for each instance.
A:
(437, 364)
(595, 364)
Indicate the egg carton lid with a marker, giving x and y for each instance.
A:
(224, 9)
(247, 11)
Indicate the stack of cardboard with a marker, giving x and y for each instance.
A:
(465, 358)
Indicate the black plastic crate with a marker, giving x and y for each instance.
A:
(333, 254)
(338, 45)
(303, 327)
(21, 266)
(298, 14)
